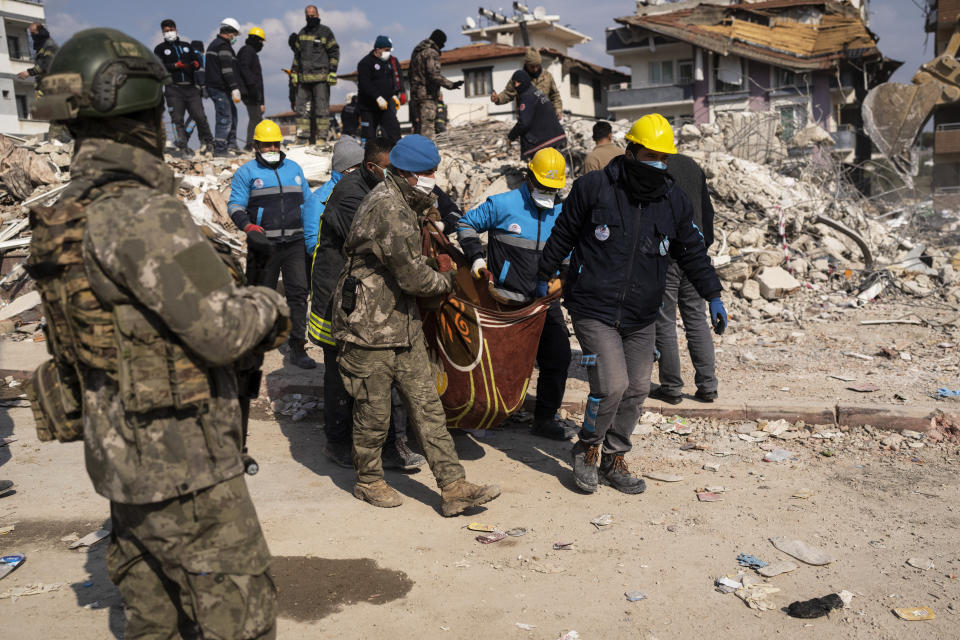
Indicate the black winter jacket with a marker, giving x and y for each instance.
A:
(222, 66)
(251, 75)
(376, 78)
(537, 125)
(170, 53)
(690, 178)
(620, 250)
(350, 119)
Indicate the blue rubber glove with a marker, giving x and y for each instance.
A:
(718, 316)
(541, 290)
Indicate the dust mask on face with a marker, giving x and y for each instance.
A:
(656, 164)
(385, 55)
(170, 36)
(233, 40)
(425, 184)
(543, 199)
(271, 157)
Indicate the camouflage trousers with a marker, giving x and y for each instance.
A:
(312, 97)
(368, 375)
(196, 563)
(427, 115)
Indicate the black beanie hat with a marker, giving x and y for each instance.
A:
(439, 37)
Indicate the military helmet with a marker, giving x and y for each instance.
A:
(100, 73)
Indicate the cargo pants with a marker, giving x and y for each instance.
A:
(368, 375)
(427, 117)
(197, 561)
(313, 98)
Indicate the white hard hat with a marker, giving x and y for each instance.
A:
(230, 22)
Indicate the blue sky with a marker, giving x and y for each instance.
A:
(899, 23)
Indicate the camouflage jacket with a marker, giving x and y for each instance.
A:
(383, 253)
(425, 76)
(44, 56)
(142, 252)
(543, 83)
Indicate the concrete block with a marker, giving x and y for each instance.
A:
(776, 282)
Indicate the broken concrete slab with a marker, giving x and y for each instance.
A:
(776, 282)
(20, 305)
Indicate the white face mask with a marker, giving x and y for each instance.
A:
(271, 157)
(385, 55)
(543, 199)
(425, 184)
(169, 36)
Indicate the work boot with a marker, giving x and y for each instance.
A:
(585, 459)
(378, 493)
(298, 355)
(460, 495)
(339, 454)
(614, 473)
(663, 396)
(206, 151)
(399, 455)
(553, 429)
(705, 396)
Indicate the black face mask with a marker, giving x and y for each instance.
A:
(255, 42)
(40, 37)
(313, 22)
(534, 74)
(643, 182)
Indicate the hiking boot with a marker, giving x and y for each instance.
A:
(553, 429)
(705, 396)
(663, 396)
(378, 493)
(460, 495)
(298, 355)
(399, 455)
(585, 459)
(339, 454)
(614, 473)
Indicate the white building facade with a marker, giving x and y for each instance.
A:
(16, 96)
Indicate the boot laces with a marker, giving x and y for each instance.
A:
(592, 454)
(619, 465)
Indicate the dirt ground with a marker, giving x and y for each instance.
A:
(348, 570)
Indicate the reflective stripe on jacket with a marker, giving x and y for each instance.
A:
(272, 198)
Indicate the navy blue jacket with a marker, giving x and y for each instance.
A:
(271, 198)
(620, 250)
(376, 79)
(170, 53)
(221, 66)
(537, 125)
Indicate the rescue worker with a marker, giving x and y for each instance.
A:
(537, 125)
(251, 81)
(377, 322)
(350, 117)
(440, 122)
(680, 293)
(267, 195)
(338, 212)
(45, 48)
(622, 223)
(380, 89)
(604, 149)
(541, 79)
(145, 324)
(223, 86)
(183, 62)
(347, 156)
(426, 82)
(316, 56)
(518, 224)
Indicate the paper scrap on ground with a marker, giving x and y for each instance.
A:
(802, 551)
(635, 596)
(920, 563)
(906, 613)
(30, 590)
(757, 596)
(663, 476)
(777, 568)
(90, 539)
(602, 521)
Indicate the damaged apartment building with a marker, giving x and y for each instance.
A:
(808, 61)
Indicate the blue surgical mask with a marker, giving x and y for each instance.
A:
(656, 164)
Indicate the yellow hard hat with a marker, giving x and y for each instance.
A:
(257, 31)
(267, 131)
(654, 132)
(549, 168)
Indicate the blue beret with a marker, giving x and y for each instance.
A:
(415, 153)
(383, 42)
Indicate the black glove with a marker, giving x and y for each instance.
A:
(292, 40)
(259, 243)
(457, 84)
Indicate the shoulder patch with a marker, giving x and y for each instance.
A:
(522, 106)
(297, 179)
(203, 267)
(514, 228)
(167, 52)
(258, 184)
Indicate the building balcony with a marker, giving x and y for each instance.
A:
(724, 97)
(649, 95)
(946, 138)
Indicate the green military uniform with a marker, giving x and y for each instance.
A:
(543, 82)
(147, 322)
(426, 80)
(316, 56)
(382, 338)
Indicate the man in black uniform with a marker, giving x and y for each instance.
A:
(182, 62)
(350, 117)
(380, 91)
(251, 87)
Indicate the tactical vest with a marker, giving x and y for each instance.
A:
(128, 342)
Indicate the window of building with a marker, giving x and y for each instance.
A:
(478, 82)
(661, 72)
(574, 84)
(728, 75)
(597, 90)
(793, 118)
(13, 46)
(785, 78)
(22, 112)
(685, 71)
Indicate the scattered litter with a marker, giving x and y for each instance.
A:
(747, 560)
(635, 596)
(90, 539)
(814, 608)
(570, 635)
(726, 584)
(562, 546)
(802, 494)
(516, 532)
(713, 488)
(755, 596)
(846, 597)
(943, 392)
(906, 613)
(708, 496)
(841, 378)
(493, 536)
(10, 562)
(7, 529)
(775, 569)
(921, 563)
(88, 584)
(864, 387)
(476, 526)
(30, 590)
(779, 455)
(802, 551)
(525, 626)
(711, 466)
(860, 356)
(602, 521)
(663, 476)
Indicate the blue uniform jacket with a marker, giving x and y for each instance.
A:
(313, 210)
(272, 198)
(621, 248)
(518, 230)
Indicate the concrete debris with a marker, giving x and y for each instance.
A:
(774, 283)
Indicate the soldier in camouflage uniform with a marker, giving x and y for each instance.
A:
(145, 323)
(426, 81)
(377, 322)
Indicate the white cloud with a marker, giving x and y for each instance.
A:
(63, 25)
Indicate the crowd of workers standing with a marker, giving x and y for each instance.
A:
(157, 334)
